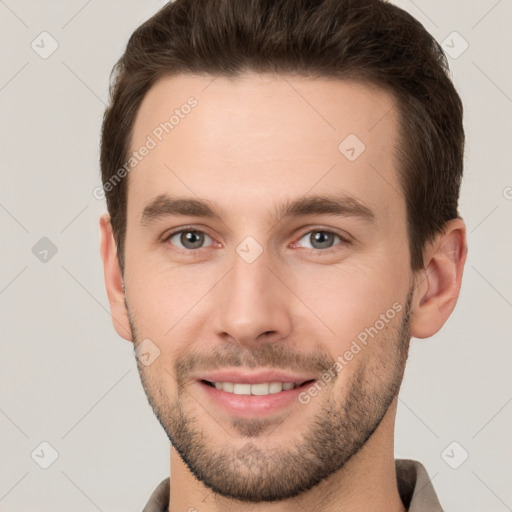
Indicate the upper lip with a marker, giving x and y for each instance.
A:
(241, 377)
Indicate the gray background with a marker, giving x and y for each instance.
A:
(67, 379)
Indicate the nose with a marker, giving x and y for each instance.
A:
(253, 303)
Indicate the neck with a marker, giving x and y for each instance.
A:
(366, 482)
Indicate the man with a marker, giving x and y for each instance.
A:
(282, 182)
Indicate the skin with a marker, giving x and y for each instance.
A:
(250, 144)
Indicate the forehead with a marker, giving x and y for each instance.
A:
(246, 141)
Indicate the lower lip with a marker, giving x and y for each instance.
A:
(253, 405)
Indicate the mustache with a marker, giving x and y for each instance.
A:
(276, 356)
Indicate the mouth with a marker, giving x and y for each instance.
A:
(253, 400)
(259, 389)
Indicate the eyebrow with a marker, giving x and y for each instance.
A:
(340, 205)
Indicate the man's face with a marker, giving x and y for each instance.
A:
(312, 294)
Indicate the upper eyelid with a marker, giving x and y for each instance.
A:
(169, 235)
(344, 240)
(326, 230)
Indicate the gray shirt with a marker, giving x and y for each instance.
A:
(414, 486)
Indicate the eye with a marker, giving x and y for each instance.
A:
(322, 239)
(189, 239)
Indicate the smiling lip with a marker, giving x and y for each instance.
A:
(241, 377)
(253, 405)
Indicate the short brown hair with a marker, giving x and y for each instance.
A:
(370, 41)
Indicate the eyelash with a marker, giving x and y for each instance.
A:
(192, 252)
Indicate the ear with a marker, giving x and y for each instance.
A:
(113, 279)
(438, 284)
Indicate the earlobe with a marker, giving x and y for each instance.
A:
(438, 286)
(113, 279)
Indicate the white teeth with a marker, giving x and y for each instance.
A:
(275, 387)
(242, 389)
(264, 388)
(259, 389)
(226, 386)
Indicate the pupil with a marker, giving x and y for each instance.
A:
(322, 239)
(192, 239)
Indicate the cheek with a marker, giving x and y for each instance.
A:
(163, 297)
(344, 299)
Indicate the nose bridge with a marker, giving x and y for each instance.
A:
(252, 301)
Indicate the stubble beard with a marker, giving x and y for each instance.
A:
(252, 473)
